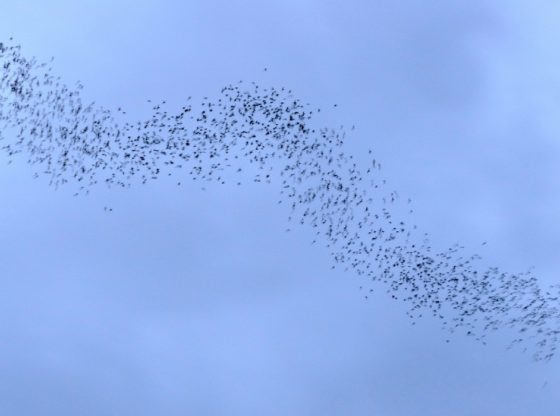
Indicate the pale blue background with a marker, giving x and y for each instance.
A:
(188, 302)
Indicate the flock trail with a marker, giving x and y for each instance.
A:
(347, 206)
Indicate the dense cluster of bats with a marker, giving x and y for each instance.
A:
(270, 133)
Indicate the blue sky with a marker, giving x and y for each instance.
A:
(183, 301)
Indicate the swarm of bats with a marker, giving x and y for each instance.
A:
(270, 134)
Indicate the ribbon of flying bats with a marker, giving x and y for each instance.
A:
(347, 206)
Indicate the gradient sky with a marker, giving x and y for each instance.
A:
(183, 301)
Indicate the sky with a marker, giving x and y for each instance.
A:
(189, 301)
